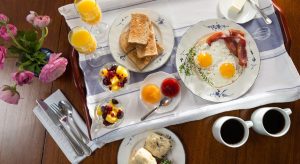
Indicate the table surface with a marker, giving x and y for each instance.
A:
(24, 140)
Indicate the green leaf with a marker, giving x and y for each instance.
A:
(31, 36)
(14, 50)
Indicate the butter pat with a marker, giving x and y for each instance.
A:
(237, 6)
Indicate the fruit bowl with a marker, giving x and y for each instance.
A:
(113, 77)
(109, 113)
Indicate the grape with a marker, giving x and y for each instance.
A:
(106, 81)
(120, 114)
(114, 101)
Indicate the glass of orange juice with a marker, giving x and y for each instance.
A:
(90, 13)
(85, 43)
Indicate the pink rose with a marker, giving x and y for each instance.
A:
(23, 77)
(4, 33)
(3, 18)
(9, 94)
(41, 21)
(3, 52)
(54, 69)
(30, 17)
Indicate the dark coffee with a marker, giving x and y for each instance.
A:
(232, 131)
(273, 121)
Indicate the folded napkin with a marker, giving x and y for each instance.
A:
(55, 131)
(278, 79)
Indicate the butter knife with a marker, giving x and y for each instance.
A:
(78, 150)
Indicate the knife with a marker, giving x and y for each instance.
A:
(78, 150)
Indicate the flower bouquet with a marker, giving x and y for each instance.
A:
(33, 60)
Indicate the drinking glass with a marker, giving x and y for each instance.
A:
(90, 13)
(85, 43)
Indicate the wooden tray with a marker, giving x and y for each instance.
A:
(78, 77)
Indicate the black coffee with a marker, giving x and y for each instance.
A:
(232, 131)
(273, 121)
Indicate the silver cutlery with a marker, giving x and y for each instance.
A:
(265, 17)
(64, 119)
(67, 109)
(164, 102)
(78, 150)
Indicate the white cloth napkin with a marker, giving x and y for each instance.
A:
(56, 133)
(278, 79)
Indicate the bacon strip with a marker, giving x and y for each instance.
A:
(231, 45)
(242, 53)
(235, 42)
(234, 32)
(216, 36)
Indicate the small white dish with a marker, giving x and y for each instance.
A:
(130, 144)
(247, 13)
(163, 34)
(157, 78)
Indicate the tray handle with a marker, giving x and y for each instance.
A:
(78, 80)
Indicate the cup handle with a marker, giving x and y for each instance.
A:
(287, 111)
(249, 124)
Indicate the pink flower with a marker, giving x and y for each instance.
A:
(41, 21)
(30, 17)
(54, 69)
(4, 33)
(3, 52)
(3, 18)
(9, 94)
(23, 77)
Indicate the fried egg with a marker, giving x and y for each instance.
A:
(216, 64)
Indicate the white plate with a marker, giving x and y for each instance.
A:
(157, 78)
(163, 33)
(247, 13)
(202, 88)
(128, 145)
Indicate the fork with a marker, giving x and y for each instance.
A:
(64, 119)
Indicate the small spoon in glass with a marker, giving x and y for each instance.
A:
(164, 102)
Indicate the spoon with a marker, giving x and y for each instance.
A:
(264, 16)
(164, 102)
(68, 109)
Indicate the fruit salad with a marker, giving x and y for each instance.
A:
(110, 112)
(114, 77)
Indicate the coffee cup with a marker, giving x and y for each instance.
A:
(271, 121)
(231, 131)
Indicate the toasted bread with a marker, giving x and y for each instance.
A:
(160, 48)
(140, 63)
(150, 49)
(139, 29)
(125, 46)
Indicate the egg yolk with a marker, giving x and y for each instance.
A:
(227, 70)
(204, 60)
(151, 94)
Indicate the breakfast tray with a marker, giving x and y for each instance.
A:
(78, 77)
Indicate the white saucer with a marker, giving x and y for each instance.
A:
(247, 13)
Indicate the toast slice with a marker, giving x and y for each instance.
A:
(150, 49)
(142, 63)
(124, 44)
(139, 29)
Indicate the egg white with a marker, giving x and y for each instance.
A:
(220, 54)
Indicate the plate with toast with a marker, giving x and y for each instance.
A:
(141, 40)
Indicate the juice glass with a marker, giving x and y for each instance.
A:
(84, 42)
(90, 13)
